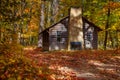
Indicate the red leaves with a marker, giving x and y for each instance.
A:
(63, 65)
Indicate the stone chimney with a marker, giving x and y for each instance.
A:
(75, 30)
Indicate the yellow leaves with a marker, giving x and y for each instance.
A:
(25, 36)
(117, 12)
(28, 34)
(95, 1)
(1, 16)
(19, 78)
(115, 27)
(12, 60)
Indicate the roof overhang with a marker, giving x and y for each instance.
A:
(83, 18)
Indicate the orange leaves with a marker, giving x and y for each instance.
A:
(33, 25)
(27, 10)
(112, 5)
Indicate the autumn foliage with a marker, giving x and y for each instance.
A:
(20, 21)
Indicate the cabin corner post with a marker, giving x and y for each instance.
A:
(68, 31)
(75, 30)
(40, 42)
(84, 35)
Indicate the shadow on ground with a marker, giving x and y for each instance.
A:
(79, 65)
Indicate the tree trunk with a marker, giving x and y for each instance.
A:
(117, 39)
(0, 33)
(42, 16)
(111, 39)
(41, 24)
(22, 7)
(106, 27)
(55, 5)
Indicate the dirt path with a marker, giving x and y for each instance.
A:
(79, 65)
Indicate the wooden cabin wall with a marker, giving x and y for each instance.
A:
(58, 41)
(90, 32)
(89, 38)
(95, 39)
(40, 42)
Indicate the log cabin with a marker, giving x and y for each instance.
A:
(73, 32)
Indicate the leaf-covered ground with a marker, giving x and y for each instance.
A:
(79, 65)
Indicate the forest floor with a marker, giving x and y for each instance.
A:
(79, 65)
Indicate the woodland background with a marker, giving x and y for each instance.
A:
(21, 21)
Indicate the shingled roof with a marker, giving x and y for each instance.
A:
(67, 17)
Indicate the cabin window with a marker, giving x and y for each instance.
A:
(89, 36)
(58, 36)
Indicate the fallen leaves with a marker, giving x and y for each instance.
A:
(63, 65)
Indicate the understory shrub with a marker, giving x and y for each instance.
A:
(21, 69)
(15, 66)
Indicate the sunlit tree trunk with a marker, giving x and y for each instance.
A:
(41, 24)
(22, 7)
(49, 13)
(30, 16)
(14, 38)
(42, 16)
(117, 39)
(0, 23)
(55, 10)
(0, 32)
(111, 39)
